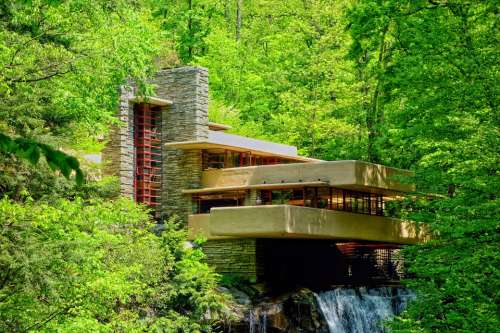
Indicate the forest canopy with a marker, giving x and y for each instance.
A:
(408, 84)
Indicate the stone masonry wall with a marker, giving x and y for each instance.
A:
(185, 120)
(119, 153)
(251, 198)
(241, 257)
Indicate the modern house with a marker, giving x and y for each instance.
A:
(260, 206)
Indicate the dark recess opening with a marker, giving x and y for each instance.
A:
(320, 264)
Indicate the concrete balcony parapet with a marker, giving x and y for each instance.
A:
(199, 226)
(296, 222)
(352, 175)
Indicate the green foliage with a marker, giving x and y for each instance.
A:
(187, 23)
(31, 151)
(240, 283)
(287, 70)
(70, 262)
(71, 266)
(456, 275)
(440, 100)
(61, 63)
(21, 181)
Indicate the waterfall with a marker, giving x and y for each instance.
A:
(361, 310)
(257, 322)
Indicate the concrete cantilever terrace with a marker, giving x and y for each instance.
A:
(292, 221)
(295, 222)
(354, 175)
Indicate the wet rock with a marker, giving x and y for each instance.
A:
(240, 297)
(303, 312)
(295, 312)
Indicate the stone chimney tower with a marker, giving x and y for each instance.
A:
(182, 95)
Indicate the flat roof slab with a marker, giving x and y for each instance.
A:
(151, 100)
(221, 140)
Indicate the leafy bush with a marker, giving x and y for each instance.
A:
(75, 267)
(456, 276)
(20, 181)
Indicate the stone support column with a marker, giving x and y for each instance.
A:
(251, 198)
(185, 120)
(241, 257)
(119, 154)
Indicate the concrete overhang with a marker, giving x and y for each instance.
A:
(199, 226)
(295, 222)
(220, 140)
(151, 100)
(253, 187)
(353, 175)
(218, 127)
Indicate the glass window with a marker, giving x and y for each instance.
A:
(297, 198)
(205, 202)
(310, 197)
(337, 199)
(323, 197)
(266, 197)
(213, 159)
(281, 197)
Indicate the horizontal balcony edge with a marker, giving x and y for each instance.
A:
(286, 221)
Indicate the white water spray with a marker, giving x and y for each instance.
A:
(361, 310)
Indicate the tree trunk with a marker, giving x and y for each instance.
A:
(374, 114)
(190, 29)
(239, 7)
(226, 12)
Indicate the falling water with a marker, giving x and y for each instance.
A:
(257, 322)
(361, 310)
(251, 321)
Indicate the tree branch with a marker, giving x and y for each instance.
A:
(49, 318)
(42, 78)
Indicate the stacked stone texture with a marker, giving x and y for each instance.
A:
(240, 257)
(250, 198)
(119, 153)
(185, 120)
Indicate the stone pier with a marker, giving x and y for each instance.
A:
(185, 119)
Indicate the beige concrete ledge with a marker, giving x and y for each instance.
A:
(284, 221)
(218, 127)
(219, 140)
(353, 175)
(151, 100)
(280, 186)
(199, 226)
